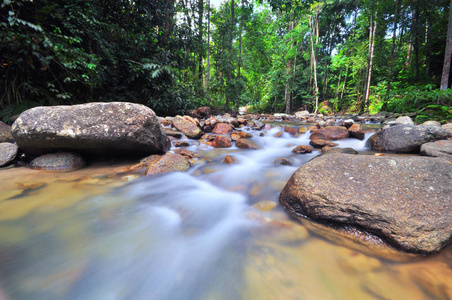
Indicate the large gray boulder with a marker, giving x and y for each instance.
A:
(8, 153)
(438, 149)
(109, 129)
(406, 201)
(5, 133)
(406, 138)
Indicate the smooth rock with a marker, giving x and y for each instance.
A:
(5, 133)
(110, 129)
(328, 149)
(356, 131)
(188, 126)
(282, 162)
(229, 159)
(302, 114)
(58, 161)
(170, 162)
(404, 200)
(404, 121)
(221, 142)
(222, 128)
(442, 148)
(319, 143)
(187, 153)
(8, 153)
(447, 127)
(406, 138)
(432, 123)
(330, 133)
(302, 149)
(246, 144)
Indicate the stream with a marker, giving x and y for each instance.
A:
(215, 232)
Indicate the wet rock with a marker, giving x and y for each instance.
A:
(169, 162)
(109, 129)
(330, 122)
(282, 162)
(267, 127)
(291, 130)
(348, 123)
(447, 127)
(302, 129)
(413, 213)
(278, 134)
(356, 131)
(222, 128)
(432, 123)
(265, 205)
(328, 149)
(319, 143)
(442, 148)
(229, 159)
(181, 144)
(406, 138)
(321, 124)
(239, 135)
(404, 121)
(221, 142)
(173, 133)
(188, 126)
(302, 149)
(58, 161)
(257, 125)
(8, 153)
(5, 133)
(233, 122)
(187, 153)
(311, 120)
(330, 133)
(246, 144)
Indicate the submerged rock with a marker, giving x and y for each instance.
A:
(187, 126)
(302, 149)
(229, 159)
(243, 143)
(319, 143)
(58, 161)
(438, 149)
(110, 129)
(406, 201)
(282, 162)
(330, 133)
(169, 162)
(406, 138)
(5, 133)
(8, 153)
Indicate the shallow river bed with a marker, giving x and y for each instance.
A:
(215, 232)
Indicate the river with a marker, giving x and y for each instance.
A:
(215, 232)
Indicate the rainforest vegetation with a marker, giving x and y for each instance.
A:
(273, 55)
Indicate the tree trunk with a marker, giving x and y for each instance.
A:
(231, 30)
(345, 82)
(447, 54)
(200, 41)
(208, 47)
(314, 62)
(412, 32)
(240, 42)
(287, 90)
(394, 34)
(373, 29)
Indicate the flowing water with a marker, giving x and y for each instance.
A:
(215, 232)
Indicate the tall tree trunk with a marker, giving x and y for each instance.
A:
(447, 53)
(314, 61)
(287, 90)
(240, 41)
(428, 47)
(200, 37)
(394, 34)
(231, 30)
(412, 37)
(208, 47)
(345, 82)
(373, 29)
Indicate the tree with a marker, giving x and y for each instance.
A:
(447, 53)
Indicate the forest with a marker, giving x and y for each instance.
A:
(329, 56)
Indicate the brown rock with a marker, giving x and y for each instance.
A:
(413, 212)
(173, 133)
(246, 144)
(302, 129)
(356, 131)
(282, 162)
(302, 149)
(328, 149)
(278, 134)
(188, 126)
(438, 149)
(230, 160)
(181, 144)
(291, 130)
(245, 135)
(221, 142)
(187, 153)
(330, 133)
(167, 163)
(58, 161)
(222, 128)
(319, 143)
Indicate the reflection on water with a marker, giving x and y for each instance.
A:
(212, 233)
